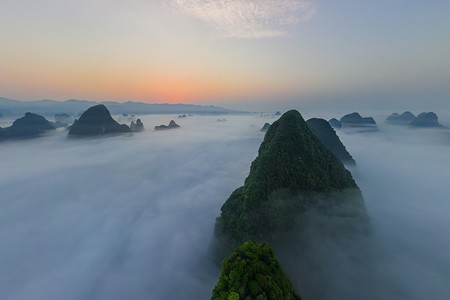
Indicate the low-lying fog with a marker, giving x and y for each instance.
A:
(404, 175)
(131, 217)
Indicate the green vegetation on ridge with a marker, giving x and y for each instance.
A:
(251, 272)
(291, 161)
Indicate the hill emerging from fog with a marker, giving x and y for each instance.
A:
(293, 173)
(29, 126)
(97, 121)
(76, 107)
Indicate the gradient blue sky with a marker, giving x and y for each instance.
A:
(244, 54)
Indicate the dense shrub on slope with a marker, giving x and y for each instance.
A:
(251, 272)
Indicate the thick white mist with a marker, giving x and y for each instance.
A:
(404, 174)
(131, 217)
(125, 217)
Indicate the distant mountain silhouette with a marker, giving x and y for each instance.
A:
(404, 119)
(137, 126)
(429, 119)
(355, 119)
(172, 125)
(425, 119)
(97, 121)
(29, 126)
(265, 127)
(75, 107)
(355, 122)
(335, 123)
(294, 172)
(323, 130)
(58, 124)
(252, 271)
(64, 118)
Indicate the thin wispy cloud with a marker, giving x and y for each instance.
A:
(249, 18)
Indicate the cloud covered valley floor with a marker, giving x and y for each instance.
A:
(131, 217)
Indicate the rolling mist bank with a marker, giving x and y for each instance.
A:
(132, 216)
(403, 175)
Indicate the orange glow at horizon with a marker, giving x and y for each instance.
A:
(119, 83)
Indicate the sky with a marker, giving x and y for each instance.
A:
(235, 53)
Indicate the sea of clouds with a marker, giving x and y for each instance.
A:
(132, 216)
(403, 174)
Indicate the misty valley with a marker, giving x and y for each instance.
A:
(224, 150)
(351, 208)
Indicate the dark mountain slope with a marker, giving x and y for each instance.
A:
(292, 169)
(97, 121)
(323, 130)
